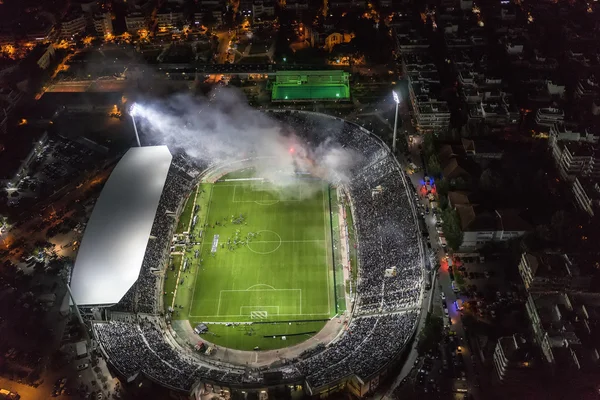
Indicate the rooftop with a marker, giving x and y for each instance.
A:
(114, 243)
(549, 265)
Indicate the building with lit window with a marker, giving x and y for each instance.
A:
(587, 195)
(135, 22)
(103, 24)
(481, 226)
(515, 364)
(550, 272)
(168, 18)
(73, 24)
(577, 159)
(549, 116)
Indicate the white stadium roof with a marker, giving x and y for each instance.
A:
(115, 239)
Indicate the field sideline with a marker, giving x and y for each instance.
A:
(264, 254)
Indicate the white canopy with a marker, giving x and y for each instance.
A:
(115, 239)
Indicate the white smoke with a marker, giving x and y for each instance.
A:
(224, 128)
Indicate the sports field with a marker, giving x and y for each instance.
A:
(261, 253)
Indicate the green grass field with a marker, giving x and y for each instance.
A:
(264, 256)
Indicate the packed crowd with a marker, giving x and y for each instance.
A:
(140, 346)
(142, 296)
(368, 344)
(388, 239)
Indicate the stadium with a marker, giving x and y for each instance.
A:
(215, 279)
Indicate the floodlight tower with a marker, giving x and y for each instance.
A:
(132, 112)
(397, 100)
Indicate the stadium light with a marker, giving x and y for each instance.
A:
(133, 111)
(397, 100)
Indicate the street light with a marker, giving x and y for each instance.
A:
(132, 112)
(397, 100)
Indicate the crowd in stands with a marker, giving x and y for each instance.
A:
(386, 309)
(140, 346)
(368, 344)
(142, 297)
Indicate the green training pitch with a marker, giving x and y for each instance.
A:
(264, 256)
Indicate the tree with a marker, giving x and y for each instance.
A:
(433, 166)
(490, 181)
(429, 147)
(452, 229)
(431, 335)
(442, 187)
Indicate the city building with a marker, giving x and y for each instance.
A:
(515, 363)
(481, 150)
(43, 55)
(135, 22)
(551, 272)
(262, 11)
(496, 109)
(411, 41)
(336, 38)
(346, 4)
(103, 24)
(298, 6)
(565, 327)
(431, 116)
(587, 88)
(480, 226)
(169, 17)
(431, 112)
(73, 24)
(560, 132)
(587, 195)
(549, 116)
(576, 159)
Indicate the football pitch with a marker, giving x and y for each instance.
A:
(260, 253)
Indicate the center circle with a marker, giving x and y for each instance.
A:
(266, 242)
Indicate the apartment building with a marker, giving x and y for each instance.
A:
(577, 159)
(515, 363)
(587, 88)
(481, 226)
(135, 21)
(549, 116)
(103, 24)
(73, 24)
(587, 194)
(551, 272)
(168, 17)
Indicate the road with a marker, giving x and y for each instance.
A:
(443, 277)
(224, 42)
(42, 392)
(442, 280)
(107, 85)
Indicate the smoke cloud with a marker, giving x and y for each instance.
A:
(222, 127)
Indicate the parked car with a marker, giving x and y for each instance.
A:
(81, 367)
(455, 287)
